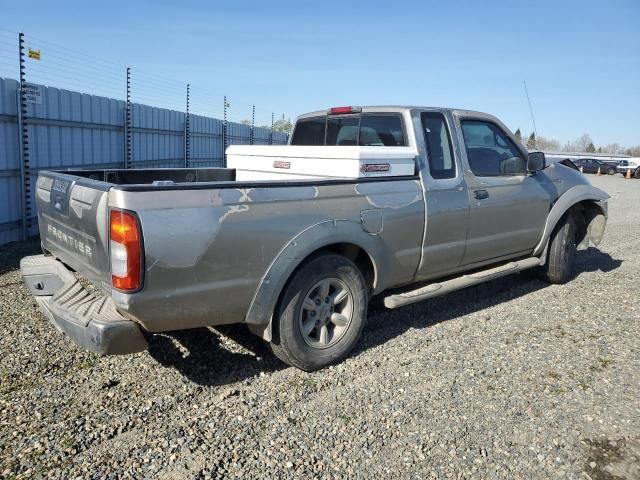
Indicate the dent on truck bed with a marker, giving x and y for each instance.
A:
(164, 231)
(161, 225)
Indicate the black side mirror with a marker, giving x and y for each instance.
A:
(536, 161)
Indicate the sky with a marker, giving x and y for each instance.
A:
(580, 59)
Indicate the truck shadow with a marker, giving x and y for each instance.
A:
(384, 325)
(230, 353)
(213, 357)
(594, 260)
(12, 253)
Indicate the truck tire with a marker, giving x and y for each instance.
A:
(562, 251)
(321, 313)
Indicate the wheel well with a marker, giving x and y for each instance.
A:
(589, 220)
(357, 255)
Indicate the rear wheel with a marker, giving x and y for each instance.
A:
(322, 313)
(561, 252)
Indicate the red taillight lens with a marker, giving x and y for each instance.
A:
(125, 250)
(343, 110)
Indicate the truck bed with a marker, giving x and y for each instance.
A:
(209, 240)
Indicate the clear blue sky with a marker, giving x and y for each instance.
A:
(581, 59)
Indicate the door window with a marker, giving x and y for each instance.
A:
(490, 151)
(438, 142)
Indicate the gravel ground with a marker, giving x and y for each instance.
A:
(510, 379)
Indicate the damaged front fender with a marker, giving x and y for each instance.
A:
(592, 204)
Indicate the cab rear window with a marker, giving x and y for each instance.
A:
(309, 131)
(384, 130)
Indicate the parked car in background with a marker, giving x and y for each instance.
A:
(625, 165)
(591, 165)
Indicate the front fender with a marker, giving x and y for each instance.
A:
(571, 197)
(300, 247)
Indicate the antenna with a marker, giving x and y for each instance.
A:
(526, 90)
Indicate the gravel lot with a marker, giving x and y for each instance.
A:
(511, 379)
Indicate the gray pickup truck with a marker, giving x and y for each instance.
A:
(131, 252)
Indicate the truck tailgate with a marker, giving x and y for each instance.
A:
(73, 218)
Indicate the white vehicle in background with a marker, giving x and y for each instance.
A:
(632, 164)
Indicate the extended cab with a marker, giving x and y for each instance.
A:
(294, 240)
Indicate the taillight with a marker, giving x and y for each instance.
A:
(125, 248)
(343, 110)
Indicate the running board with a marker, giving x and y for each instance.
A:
(437, 289)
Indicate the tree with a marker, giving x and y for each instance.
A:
(580, 144)
(599, 149)
(547, 144)
(633, 151)
(246, 122)
(283, 125)
(531, 143)
(518, 135)
(613, 148)
(591, 147)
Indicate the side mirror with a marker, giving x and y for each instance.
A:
(536, 161)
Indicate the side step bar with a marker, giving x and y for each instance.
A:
(437, 289)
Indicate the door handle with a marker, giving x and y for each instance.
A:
(481, 194)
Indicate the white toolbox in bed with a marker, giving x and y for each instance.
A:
(288, 162)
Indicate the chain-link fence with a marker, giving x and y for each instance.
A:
(60, 108)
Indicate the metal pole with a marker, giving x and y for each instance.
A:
(271, 134)
(25, 178)
(253, 123)
(128, 153)
(187, 132)
(224, 134)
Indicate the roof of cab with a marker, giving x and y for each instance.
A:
(401, 108)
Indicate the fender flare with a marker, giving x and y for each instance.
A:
(293, 254)
(571, 197)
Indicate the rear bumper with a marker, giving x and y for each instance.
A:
(86, 316)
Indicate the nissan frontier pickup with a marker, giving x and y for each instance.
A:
(295, 240)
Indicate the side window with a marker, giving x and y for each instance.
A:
(381, 130)
(343, 130)
(438, 142)
(309, 132)
(490, 151)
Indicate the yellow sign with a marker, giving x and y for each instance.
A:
(35, 54)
